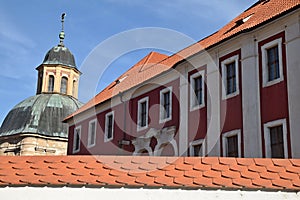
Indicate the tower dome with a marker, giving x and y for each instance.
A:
(40, 114)
(60, 55)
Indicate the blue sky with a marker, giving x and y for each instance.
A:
(28, 30)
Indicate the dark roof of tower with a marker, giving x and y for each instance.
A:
(60, 55)
(40, 114)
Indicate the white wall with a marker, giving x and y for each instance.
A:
(67, 193)
(293, 75)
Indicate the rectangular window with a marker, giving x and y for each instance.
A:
(232, 146)
(109, 126)
(276, 139)
(166, 104)
(76, 139)
(232, 143)
(197, 90)
(272, 67)
(197, 148)
(273, 63)
(92, 133)
(143, 113)
(275, 135)
(230, 78)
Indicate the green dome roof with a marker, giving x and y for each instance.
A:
(60, 55)
(41, 114)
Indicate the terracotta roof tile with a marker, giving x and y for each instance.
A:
(243, 182)
(231, 174)
(130, 171)
(193, 174)
(156, 63)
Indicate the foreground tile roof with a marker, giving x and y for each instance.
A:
(258, 14)
(151, 172)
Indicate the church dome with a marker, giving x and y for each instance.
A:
(41, 114)
(60, 55)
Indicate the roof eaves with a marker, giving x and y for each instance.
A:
(246, 30)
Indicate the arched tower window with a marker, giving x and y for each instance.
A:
(64, 85)
(51, 83)
(74, 88)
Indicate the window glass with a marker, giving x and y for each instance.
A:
(63, 85)
(273, 63)
(198, 90)
(277, 145)
(51, 83)
(143, 114)
(197, 149)
(166, 105)
(230, 78)
(92, 133)
(109, 127)
(232, 146)
(76, 145)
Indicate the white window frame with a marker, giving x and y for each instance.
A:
(75, 138)
(112, 113)
(92, 141)
(193, 95)
(225, 62)
(197, 142)
(145, 99)
(162, 110)
(267, 127)
(264, 48)
(230, 134)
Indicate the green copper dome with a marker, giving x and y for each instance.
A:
(41, 114)
(60, 55)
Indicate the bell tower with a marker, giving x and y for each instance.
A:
(58, 73)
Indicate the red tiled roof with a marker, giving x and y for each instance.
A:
(137, 74)
(151, 172)
(257, 15)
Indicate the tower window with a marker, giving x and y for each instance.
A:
(51, 83)
(74, 88)
(64, 85)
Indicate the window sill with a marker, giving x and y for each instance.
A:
(108, 140)
(142, 128)
(198, 107)
(273, 82)
(165, 120)
(228, 96)
(91, 145)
